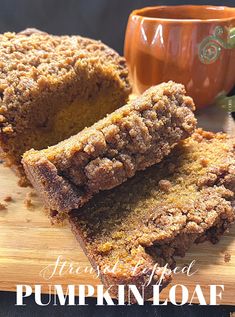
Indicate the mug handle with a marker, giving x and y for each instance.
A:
(226, 102)
(231, 38)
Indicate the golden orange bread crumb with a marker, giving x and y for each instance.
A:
(161, 211)
(51, 87)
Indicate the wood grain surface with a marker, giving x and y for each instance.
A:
(28, 243)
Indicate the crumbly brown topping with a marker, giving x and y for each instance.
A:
(164, 185)
(29, 64)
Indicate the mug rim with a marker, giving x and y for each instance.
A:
(139, 13)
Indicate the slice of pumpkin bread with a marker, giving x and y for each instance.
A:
(106, 154)
(51, 87)
(160, 212)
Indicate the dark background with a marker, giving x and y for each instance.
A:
(99, 19)
(105, 20)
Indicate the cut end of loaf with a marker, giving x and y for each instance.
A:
(106, 154)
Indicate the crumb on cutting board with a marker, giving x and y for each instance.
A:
(227, 257)
(3, 206)
(32, 193)
(23, 182)
(8, 198)
(28, 201)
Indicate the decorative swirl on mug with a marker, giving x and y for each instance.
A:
(210, 48)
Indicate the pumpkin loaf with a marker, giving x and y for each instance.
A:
(51, 87)
(160, 212)
(106, 154)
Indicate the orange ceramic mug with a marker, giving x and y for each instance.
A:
(193, 45)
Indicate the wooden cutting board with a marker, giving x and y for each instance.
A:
(28, 243)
